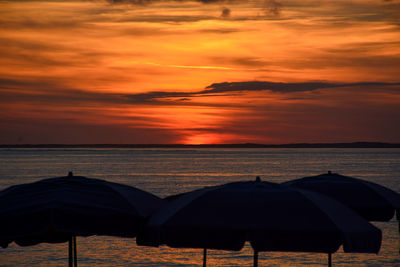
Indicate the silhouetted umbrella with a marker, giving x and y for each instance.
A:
(270, 216)
(56, 210)
(370, 200)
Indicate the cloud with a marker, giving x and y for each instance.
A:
(157, 96)
(219, 30)
(241, 61)
(281, 87)
(161, 18)
(147, 2)
(273, 7)
(262, 86)
(219, 89)
(226, 12)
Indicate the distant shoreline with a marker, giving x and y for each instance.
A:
(246, 145)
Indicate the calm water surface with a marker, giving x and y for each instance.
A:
(169, 171)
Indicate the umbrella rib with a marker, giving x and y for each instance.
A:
(126, 198)
(378, 189)
(178, 204)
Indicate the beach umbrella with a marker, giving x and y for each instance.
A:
(270, 216)
(372, 201)
(57, 210)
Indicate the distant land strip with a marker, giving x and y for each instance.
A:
(245, 145)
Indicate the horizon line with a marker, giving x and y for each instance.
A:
(359, 144)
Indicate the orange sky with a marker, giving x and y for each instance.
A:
(198, 72)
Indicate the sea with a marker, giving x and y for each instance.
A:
(170, 171)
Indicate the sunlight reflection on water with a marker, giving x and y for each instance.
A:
(165, 172)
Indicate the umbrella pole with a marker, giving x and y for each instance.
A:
(70, 256)
(255, 263)
(329, 260)
(205, 257)
(75, 256)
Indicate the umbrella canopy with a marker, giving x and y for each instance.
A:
(270, 216)
(370, 200)
(53, 210)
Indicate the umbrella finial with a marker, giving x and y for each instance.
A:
(258, 179)
(70, 174)
(329, 172)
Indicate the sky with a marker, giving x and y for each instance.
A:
(199, 72)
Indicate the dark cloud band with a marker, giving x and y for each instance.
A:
(235, 87)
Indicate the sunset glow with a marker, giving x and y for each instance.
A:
(199, 72)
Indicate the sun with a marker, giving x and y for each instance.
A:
(202, 139)
(195, 138)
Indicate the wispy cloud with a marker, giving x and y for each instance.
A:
(282, 87)
(273, 7)
(147, 2)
